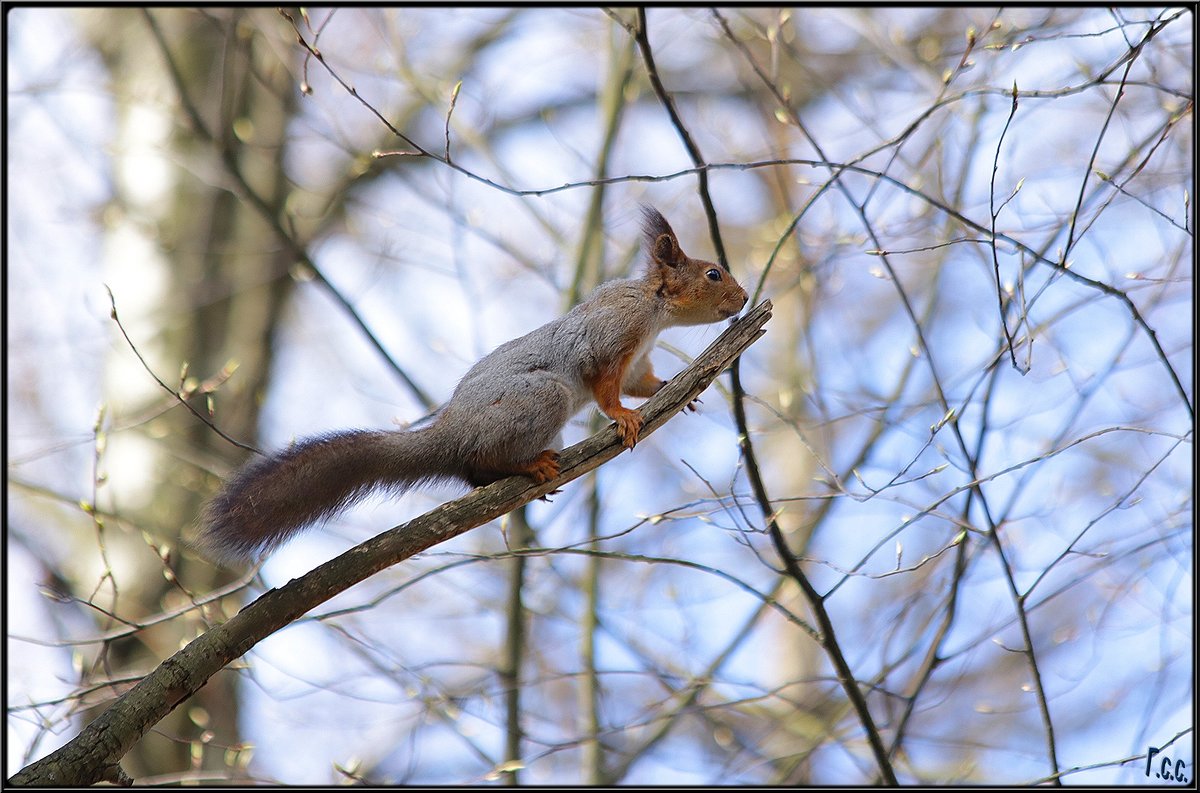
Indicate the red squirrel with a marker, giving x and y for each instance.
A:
(504, 418)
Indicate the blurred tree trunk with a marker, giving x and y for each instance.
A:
(223, 281)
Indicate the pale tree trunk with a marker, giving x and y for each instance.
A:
(216, 281)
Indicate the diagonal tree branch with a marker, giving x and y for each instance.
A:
(94, 755)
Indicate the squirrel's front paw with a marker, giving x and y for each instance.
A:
(629, 424)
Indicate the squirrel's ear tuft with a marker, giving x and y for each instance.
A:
(660, 239)
(654, 224)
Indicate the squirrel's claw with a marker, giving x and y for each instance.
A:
(629, 424)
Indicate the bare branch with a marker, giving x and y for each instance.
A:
(102, 744)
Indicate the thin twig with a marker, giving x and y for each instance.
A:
(995, 255)
(113, 313)
(449, 113)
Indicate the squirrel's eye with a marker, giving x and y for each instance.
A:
(714, 274)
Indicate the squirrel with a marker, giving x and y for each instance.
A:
(506, 414)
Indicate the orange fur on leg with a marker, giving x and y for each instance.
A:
(606, 388)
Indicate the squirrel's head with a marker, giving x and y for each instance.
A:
(696, 292)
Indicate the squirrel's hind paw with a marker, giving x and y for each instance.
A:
(544, 467)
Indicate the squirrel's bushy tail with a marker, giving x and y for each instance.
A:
(272, 498)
